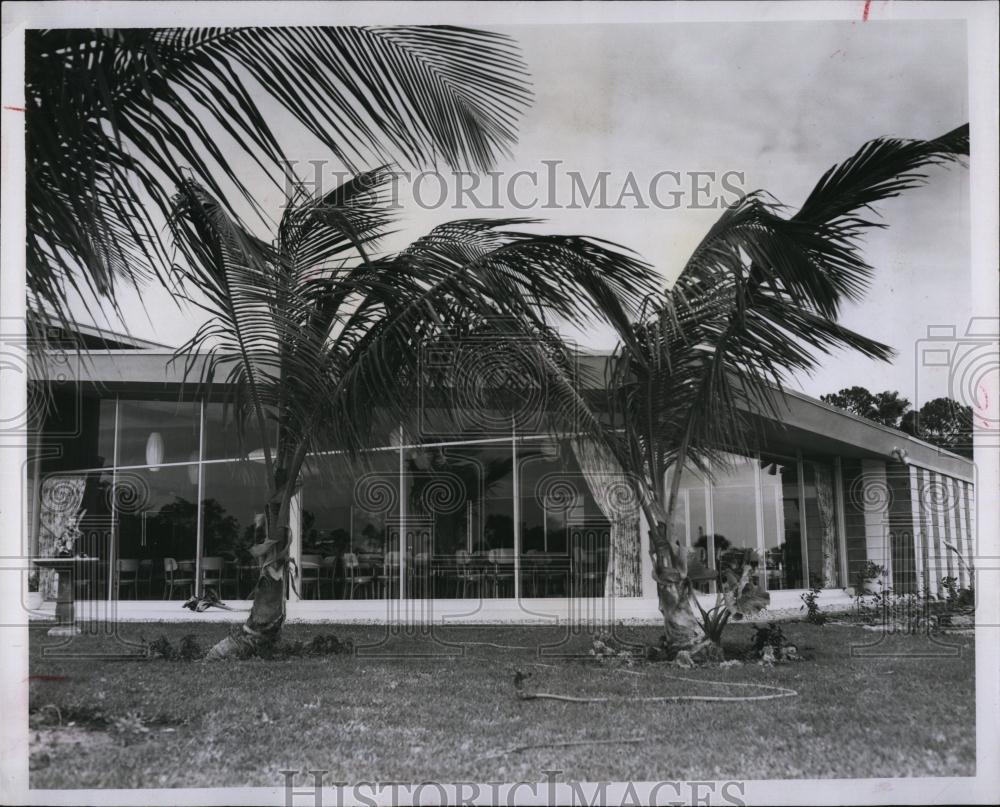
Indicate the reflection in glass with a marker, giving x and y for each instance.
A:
(221, 439)
(782, 523)
(459, 519)
(552, 499)
(154, 432)
(233, 507)
(156, 517)
(80, 431)
(565, 535)
(350, 525)
(690, 522)
(734, 510)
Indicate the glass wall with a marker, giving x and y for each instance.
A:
(734, 513)
(781, 503)
(157, 432)
(233, 498)
(156, 512)
(350, 526)
(474, 520)
(459, 518)
(780, 507)
(565, 533)
(221, 439)
(81, 430)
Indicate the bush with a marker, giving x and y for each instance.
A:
(811, 600)
(769, 645)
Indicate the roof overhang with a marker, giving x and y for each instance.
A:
(816, 428)
(803, 424)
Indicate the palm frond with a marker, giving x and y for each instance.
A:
(117, 118)
(332, 339)
(759, 299)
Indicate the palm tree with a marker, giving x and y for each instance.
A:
(317, 336)
(758, 300)
(116, 119)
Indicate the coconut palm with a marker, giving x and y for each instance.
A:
(318, 337)
(116, 119)
(758, 300)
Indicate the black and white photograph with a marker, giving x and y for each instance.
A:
(500, 403)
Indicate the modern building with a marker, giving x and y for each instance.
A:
(511, 526)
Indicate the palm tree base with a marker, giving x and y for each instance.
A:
(682, 632)
(262, 629)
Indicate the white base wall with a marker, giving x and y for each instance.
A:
(549, 611)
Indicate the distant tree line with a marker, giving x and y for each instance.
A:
(943, 422)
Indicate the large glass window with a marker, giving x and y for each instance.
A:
(565, 534)
(690, 522)
(221, 439)
(429, 521)
(233, 499)
(350, 526)
(731, 523)
(734, 510)
(459, 520)
(79, 432)
(553, 499)
(156, 432)
(157, 526)
(782, 523)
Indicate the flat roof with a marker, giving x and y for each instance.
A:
(93, 337)
(806, 424)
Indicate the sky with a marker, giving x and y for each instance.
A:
(774, 103)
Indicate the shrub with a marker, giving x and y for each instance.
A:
(769, 645)
(810, 599)
(738, 596)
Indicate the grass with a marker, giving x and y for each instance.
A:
(413, 709)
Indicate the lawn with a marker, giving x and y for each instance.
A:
(426, 707)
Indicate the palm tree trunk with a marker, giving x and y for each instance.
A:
(267, 614)
(681, 626)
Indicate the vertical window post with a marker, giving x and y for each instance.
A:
(401, 547)
(113, 542)
(838, 492)
(200, 517)
(758, 503)
(710, 537)
(802, 519)
(516, 482)
(468, 526)
(687, 518)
